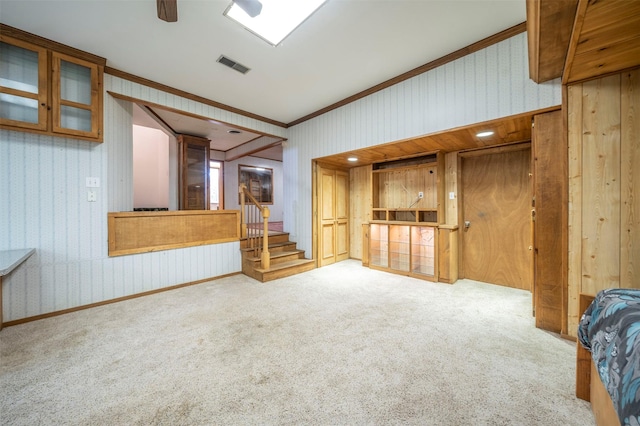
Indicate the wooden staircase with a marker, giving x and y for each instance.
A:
(286, 259)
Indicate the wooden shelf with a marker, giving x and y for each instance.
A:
(405, 215)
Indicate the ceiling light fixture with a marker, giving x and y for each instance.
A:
(484, 134)
(277, 18)
(250, 7)
(234, 132)
(352, 159)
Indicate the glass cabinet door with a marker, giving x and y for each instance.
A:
(196, 178)
(423, 250)
(399, 247)
(379, 245)
(75, 96)
(194, 173)
(23, 84)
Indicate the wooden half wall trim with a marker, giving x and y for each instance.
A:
(110, 301)
(472, 48)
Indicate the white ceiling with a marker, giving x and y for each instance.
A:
(345, 47)
(222, 136)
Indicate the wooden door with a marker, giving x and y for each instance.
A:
(496, 230)
(333, 208)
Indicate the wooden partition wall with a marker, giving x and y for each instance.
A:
(141, 232)
(604, 187)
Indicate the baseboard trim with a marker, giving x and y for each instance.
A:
(110, 301)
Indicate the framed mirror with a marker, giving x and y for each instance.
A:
(259, 181)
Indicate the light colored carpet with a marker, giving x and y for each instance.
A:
(337, 345)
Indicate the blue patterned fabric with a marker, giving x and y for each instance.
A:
(610, 330)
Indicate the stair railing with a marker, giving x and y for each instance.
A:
(253, 216)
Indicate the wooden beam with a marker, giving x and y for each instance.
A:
(549, 25)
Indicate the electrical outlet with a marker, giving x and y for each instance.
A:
(92, 196)
(420, 194)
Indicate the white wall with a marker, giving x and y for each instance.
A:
(150, 168)
(44, 205)
(485, 85)
(231, 184)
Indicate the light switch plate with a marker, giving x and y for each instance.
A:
(93, 182)
(452, 195)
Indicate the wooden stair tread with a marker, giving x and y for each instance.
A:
(285, 265)
(285, 258)
(275, 255)
(271, 245)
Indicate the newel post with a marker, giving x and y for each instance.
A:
(243, 219)
(265, 259)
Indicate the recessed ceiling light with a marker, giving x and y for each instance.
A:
(484, 134)
(276, 20)
(352, 159)
(234, 132)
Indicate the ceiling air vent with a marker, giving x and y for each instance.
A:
(233, 64)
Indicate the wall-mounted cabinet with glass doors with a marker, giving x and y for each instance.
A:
(407, 198)
(47, 91)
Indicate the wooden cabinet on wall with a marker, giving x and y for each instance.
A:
(404, 235)
(194, 172)
(409, 190)
(47, 91)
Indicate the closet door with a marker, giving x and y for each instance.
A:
(333, 216)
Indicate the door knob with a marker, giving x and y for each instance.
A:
(467, 224)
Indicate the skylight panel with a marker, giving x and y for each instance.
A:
(277, 19)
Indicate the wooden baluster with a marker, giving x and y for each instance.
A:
(265, 259)
(243, 218)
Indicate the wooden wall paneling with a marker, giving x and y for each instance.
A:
(365, 244)
(429, 188)
(440, 182)
(578, 21)
(413, 182)
(360, 205)
(583, 356)
(607, 23)
(605, 39)
(601, 184)
(574, 263)
(550, 185)
(447, 254)
(451, 186)
(630, 180)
